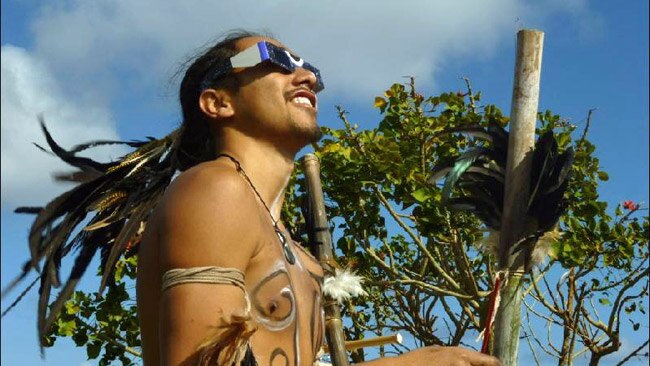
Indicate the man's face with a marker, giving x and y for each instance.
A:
(274, 103)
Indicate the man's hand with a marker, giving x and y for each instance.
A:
(438, 356)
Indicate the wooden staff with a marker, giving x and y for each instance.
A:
(321, 245)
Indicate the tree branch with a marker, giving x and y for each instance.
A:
(417, 240)
(633, 353)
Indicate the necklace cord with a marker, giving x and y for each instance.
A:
(288, 254)
(241, 171)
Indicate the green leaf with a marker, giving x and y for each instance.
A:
(80, 338)
(421, 195)
(66, 328)
(603, 176)
(604, 301)
(71, 307)
(93, 349)
(380, 103)
(595, 282)
(563, 139)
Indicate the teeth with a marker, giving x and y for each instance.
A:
(302, 100)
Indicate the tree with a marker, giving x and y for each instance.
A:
(429, 269)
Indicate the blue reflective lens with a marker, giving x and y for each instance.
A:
(258, 53)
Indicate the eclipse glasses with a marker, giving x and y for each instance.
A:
(258, 53)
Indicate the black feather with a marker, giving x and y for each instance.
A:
(119, 195)
(476, 131)
(88, 145)
(43, 300)
(561, 171)
(494, 135)
(543, 163)
(45, 217)
(84, 164)
(28, 210)
(463, 163)
(485, 186)
(499, 137)
(73, 212)
(483, 209)
(81, 264)
(494, 172)
(43, 149)
(479, 178)
(129, 229)
(27, 267)
(79, 176)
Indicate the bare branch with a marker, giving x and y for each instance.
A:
(532, 350)
(97, 332)
(462, 262)
(627, 286)
(584, 132)
(633, 353)
(540, 315)
(472, 101)
(417, 241)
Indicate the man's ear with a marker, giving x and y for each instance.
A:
(216, 103)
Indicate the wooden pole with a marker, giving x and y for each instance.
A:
(523, 117)
(321, 243)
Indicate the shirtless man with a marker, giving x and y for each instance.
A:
(256, 298)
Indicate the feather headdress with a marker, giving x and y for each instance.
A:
(118, 197)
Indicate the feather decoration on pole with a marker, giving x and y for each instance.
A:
(344, 285)
(478, 177)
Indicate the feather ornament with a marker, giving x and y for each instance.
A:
(108, 200)
(118, 198)
(344, 285)
(478, 178)
(228, 344)
(490, 244)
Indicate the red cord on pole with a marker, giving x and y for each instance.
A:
(487, 331)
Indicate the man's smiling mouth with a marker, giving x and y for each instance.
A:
(304, 98)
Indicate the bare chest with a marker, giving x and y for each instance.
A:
(286, 304)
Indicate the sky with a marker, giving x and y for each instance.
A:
(109, 69)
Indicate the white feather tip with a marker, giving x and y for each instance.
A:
(343, 285)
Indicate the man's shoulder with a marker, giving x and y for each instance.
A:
(208, 209)
(210, 180)
(214, 189)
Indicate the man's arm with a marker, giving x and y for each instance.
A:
(438, 356)
(208, 218)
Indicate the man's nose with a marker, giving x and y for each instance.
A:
(305, 77)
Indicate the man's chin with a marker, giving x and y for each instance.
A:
(309, 130)
(316, 135)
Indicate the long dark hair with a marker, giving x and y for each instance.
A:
(195, 143)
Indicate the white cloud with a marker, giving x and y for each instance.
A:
(28, 89)
(361, 46)
(88, 54)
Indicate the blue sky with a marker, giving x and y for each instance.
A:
(105, 69)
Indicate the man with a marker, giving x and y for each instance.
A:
(219, 280)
